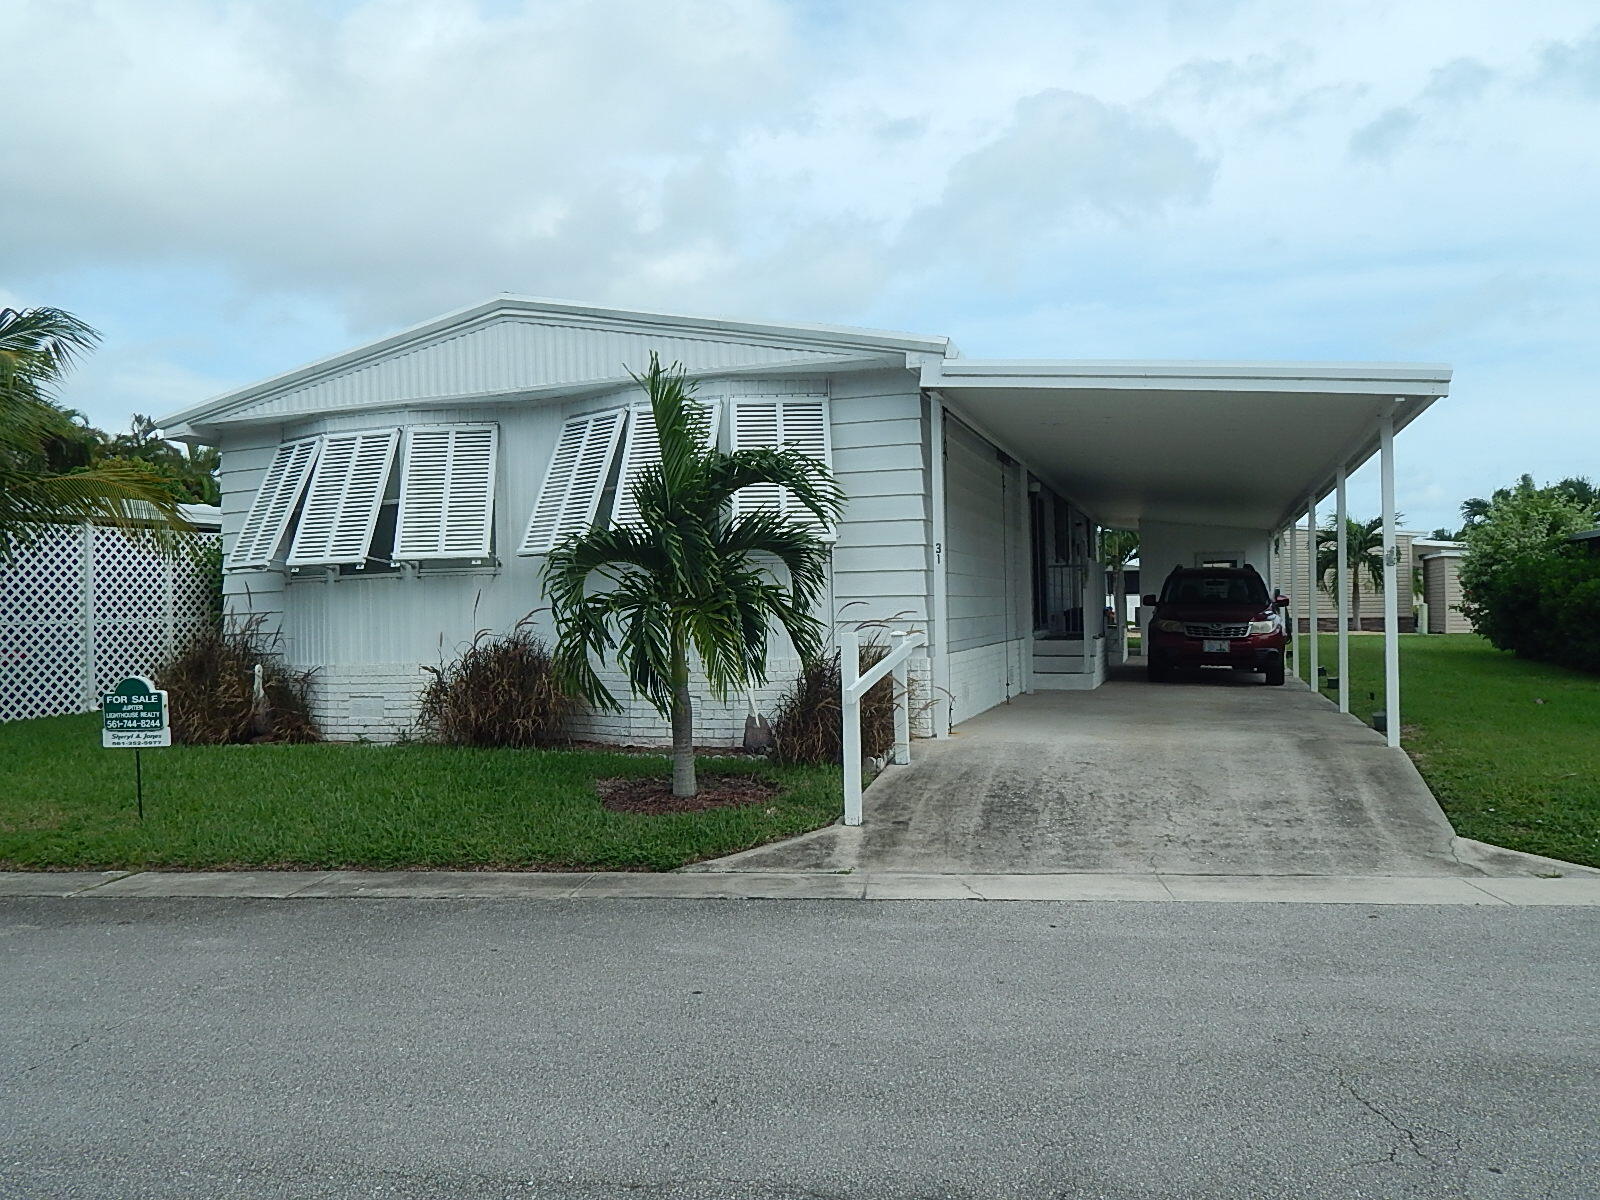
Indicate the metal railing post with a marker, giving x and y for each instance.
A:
(850, 716)
(902, 701)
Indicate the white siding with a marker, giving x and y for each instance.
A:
(511, 353)
(978, 568)
(1442, 573)
(367, 636)
(880, 562)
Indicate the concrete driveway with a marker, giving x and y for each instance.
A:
(1208, 774)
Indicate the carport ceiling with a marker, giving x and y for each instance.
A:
(1239, 444)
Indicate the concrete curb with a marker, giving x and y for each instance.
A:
(1583, 891)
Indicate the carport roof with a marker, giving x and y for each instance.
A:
(1207, 443)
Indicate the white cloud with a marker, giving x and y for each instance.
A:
(1249, 178)
(1378, 139)
(1064, 161)
(1572, 64)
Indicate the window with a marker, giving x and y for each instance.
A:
(341, 504)
(446, 500)
(380, 554)
(274, 505)
(572, 485)
(642, 450)
(800, 422)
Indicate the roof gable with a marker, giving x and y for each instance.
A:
(512, 346)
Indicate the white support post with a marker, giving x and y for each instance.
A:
(1341, 573)
(850, 715)
(902, 701)
(1313, 676)
(90, 667)
(1391, 585)
(854, 684)
(1294, 593)
(939, 647)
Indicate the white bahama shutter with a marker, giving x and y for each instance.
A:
(273, 506)
(642, 449)
(342, 503)
(799, 422)
(571, 489)
(446, 493)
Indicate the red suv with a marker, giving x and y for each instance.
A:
(1215, 617)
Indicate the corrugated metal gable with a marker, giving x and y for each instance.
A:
(510, 353)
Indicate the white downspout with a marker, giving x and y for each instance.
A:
(1391, 584)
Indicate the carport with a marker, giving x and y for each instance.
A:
(1206, 460)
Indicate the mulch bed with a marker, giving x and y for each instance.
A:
(652, 796)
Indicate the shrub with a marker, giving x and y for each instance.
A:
(211, 690)
(501, 692)
(1524, 586)
(807, 722)
(1577, 616)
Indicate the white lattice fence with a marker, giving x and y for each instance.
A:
(85, 607)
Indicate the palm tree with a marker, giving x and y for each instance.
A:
(41, 481)
(690, 576)
(1363, 554)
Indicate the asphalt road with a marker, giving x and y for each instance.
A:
(773, 1050)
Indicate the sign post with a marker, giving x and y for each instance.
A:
(133, 716)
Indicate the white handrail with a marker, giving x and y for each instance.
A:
(853, 685)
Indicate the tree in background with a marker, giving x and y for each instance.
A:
(1363, 541)
(1524, 585)
(688, 576)
(49, 472)
(1118, 547)
(1579, 489)
(189, 472)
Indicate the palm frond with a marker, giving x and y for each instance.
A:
(37, 345)
(113, 494)
(686, 578)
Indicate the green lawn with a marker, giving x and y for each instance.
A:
(65, 802)
(1511, 748)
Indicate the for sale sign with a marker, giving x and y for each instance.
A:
(133, 716)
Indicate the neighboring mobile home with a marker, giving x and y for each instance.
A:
(382, 506)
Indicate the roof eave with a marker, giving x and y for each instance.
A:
(1409, 379)
(205, 432)
(187, 420)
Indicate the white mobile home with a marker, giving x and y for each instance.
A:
(382, 506)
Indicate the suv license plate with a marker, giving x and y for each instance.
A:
(1214, 646)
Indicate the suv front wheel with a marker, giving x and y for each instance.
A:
(1155, 668)
(1275, 674)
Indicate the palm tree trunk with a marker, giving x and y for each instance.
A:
(683, 779)
(1355, 605)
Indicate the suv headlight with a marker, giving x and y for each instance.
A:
(1170, 626)
(1269, 626)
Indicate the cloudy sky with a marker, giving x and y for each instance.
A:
(230, 189)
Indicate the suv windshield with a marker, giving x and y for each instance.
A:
(1236, 588)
